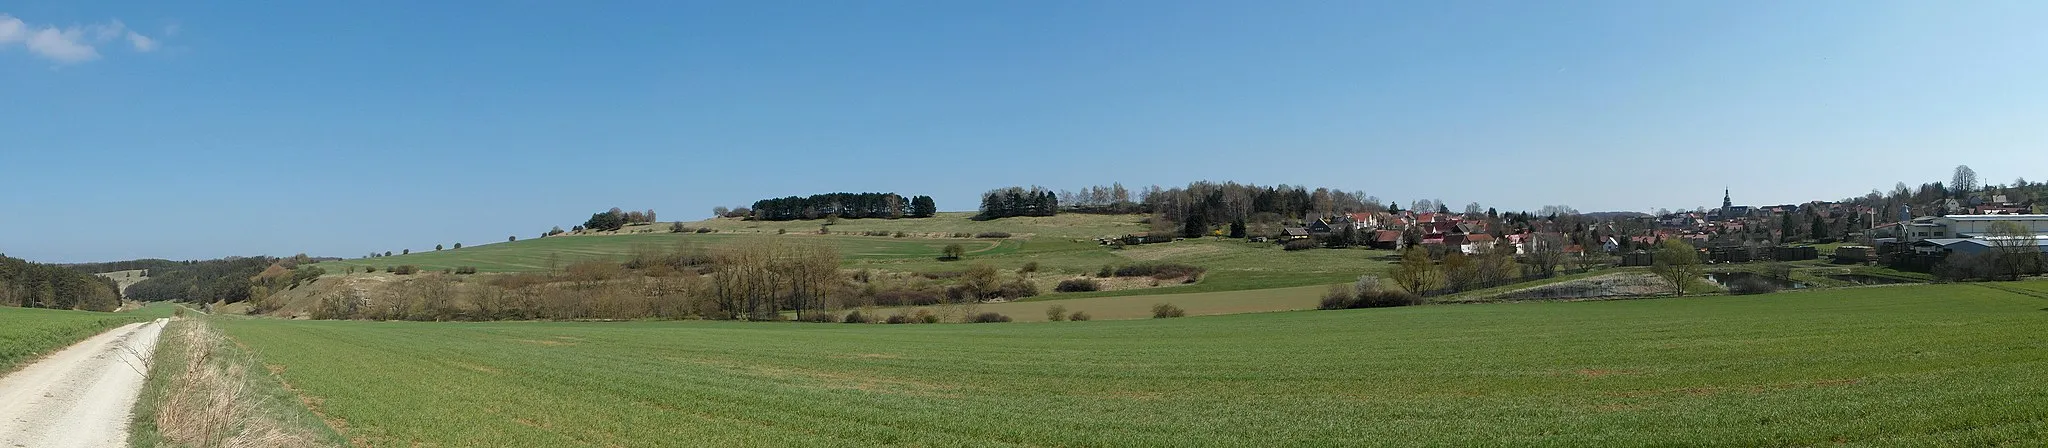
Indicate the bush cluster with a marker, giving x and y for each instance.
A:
(907, 297)
(989, 317)
(405, 270)
(856, 317)
(1299, 245)
(1078, 285)
(997, 235)
(1079, 316)
(1167, 310)
(465, 270)
(1056, 313)
(1342, 298)
(1157, 270)
(921, 316)
(1751, 285)
(1018, 289)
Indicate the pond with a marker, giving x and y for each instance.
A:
(1861, 279)
(1730, 280)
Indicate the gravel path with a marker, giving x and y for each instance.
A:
(81, 396)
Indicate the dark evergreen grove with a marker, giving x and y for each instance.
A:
(1018, 201)
(844, 205)
(35, 285)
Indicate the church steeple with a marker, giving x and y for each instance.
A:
(1727, 203)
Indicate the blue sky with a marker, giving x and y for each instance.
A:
(151, 129)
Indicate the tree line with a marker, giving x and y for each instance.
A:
(1018, 201)
(129, 265)
(33, 285)
(843, 205)
(616, 219)
(223, 280)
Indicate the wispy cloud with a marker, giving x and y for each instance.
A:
(73, 44)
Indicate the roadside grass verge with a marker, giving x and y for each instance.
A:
(1920, 365)
(204, 391)
(27, 333)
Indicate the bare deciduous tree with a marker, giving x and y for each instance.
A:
(1677, 263)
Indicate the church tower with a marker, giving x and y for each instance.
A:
(1727, 202)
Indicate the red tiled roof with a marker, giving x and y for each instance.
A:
(1386, 236)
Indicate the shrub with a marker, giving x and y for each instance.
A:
(941, 275)
(926, 316)
(1106, 272)
(875, 233)
(962, 235)
(1167, 310)
(1056, 313)
(1018, 289)
(952, 252)
(781, 231)
(897, 235)
(1386, 299)
(405, 270)
(856, 317)
(907, 297)
(1159, 270)
(992, 235)
(465, 270)
(1339, 297)
(898, 318)
(1079, 316)
(1299, 245)
(989, 318)
(1078, 285)
(1747, 285)
(1029, 267)
(705, 230)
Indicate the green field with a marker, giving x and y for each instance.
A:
(1055, 244)
(560, 251)
(1909, 365)
(28, 332)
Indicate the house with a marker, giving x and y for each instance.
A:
(1477, 242)
(1320, 227)
(1363, 221)
(1294, 233)
(1386, 239)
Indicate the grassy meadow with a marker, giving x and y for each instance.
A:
(1905, 365)
(1060, 246)
(26, 333)
(542, 254)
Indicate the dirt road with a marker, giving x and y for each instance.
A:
(81, 396)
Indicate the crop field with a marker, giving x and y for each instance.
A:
(27, 332)
(543, 253)
(1904, 365)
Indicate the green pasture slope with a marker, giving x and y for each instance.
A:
(1060, 246)
(1939, 365)
(26, 333)
(538, 254)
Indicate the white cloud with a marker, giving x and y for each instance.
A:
(142, 43)
(12, 30)
(71, 45)
(61, 46)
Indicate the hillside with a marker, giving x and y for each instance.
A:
(124, 279)
(1051, 249)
